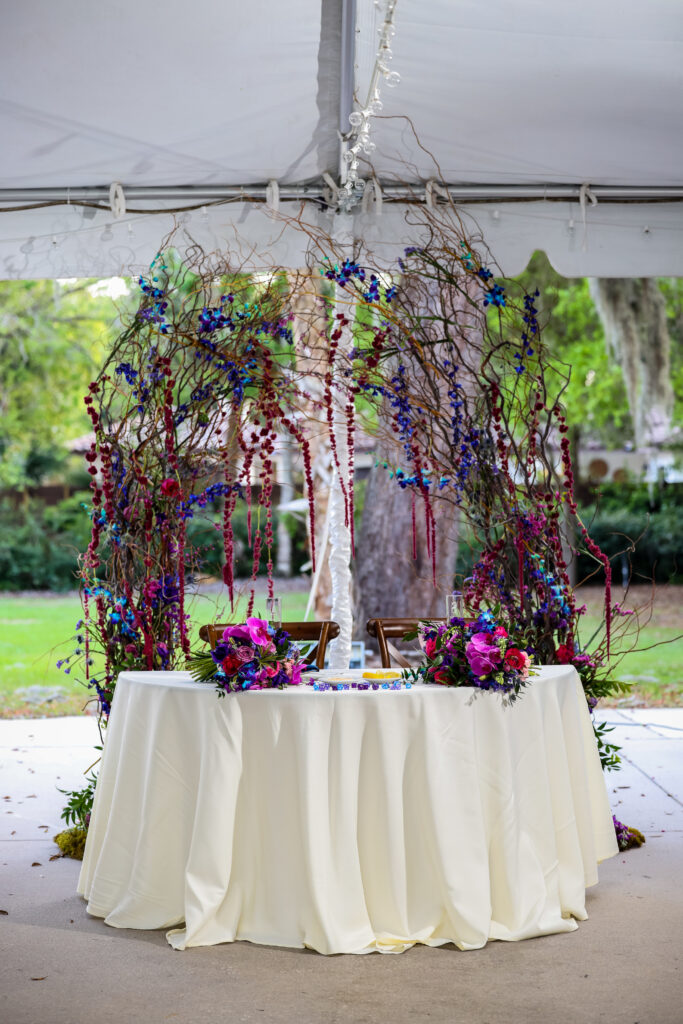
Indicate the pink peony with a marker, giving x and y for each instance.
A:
(500, 631)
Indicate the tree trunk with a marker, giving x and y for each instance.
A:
(387, 581)
(633, 315)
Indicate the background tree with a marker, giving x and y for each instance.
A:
(633, 315)
(595, 396)
(602, 330)
(52, 338)
(388, 580)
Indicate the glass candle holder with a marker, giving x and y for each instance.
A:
(455, 609)
(274, 611)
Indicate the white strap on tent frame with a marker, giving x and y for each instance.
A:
(585, 195)
(372, 196)
(433, 190)
(117, 200)
(273, 195)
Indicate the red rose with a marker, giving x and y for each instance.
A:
(230, 664)
(516, 660)
(170, 488)
(565, 654)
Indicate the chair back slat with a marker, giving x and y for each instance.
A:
(383, 629)
(320, 632)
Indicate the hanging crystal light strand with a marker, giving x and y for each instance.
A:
(358, 139)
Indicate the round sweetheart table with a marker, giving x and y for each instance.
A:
(346, 821)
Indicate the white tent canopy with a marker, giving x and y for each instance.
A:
(518, 105)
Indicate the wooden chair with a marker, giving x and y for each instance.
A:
(383, 629)
(321, 632)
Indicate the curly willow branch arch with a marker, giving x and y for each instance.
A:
(447, 358)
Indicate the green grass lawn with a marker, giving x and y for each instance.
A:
(36, 632)
(656, 675)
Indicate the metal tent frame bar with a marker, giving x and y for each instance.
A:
(202, 195)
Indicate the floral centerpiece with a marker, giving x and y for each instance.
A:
(253, 656)
(476, 653)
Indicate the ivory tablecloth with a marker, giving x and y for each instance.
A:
(346, 822)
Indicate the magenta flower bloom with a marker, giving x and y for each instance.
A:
(258, 632)
(483, 656)
(237, 632)
(170, 488)
(244, 653)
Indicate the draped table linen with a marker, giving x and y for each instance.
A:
(347, 821)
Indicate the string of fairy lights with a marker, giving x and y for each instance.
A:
(358, 141)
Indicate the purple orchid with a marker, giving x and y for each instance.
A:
(258, 632)
(238, 632)
(483, 656)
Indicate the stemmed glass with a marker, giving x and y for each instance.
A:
(274, 611)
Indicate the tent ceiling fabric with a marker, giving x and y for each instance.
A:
(172, 94)
(537, 92)
(238, 94)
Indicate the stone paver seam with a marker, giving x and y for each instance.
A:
(629, 723)
(651, 779)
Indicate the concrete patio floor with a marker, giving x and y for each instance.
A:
(59, 965)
